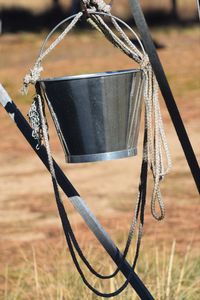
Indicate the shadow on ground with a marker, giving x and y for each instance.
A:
(17, 19)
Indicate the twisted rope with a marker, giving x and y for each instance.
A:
(156, 138)
(34, 75)
(97, 5)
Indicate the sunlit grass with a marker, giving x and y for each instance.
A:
(166, 273)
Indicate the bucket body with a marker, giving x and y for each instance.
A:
(97, 116)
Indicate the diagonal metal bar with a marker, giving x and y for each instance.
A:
(75, 198)
(166, 91)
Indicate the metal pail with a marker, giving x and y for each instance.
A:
(97, 116)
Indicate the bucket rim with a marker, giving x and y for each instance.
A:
(89, 76)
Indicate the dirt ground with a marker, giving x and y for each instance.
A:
(28, 213)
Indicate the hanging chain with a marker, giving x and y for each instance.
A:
(35, 120)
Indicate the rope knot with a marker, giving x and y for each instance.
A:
(145, 63)
(99, 5)
(32, 77)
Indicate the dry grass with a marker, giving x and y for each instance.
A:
(166, 275)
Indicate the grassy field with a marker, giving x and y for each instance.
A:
(166, 274)
(34, 260)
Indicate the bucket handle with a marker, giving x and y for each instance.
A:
(92, 13)
(123, 43)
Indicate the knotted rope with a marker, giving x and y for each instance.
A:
(97, 5)
(155, 152)
(34, 74)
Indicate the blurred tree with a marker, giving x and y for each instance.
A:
(76, 6)
(174, 8)
(56, 5)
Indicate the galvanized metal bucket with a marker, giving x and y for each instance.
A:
(97, 116)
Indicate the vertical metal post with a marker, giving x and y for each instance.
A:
(166, 91)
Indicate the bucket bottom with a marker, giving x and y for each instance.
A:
(101, 156)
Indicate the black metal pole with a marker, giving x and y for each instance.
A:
(166, 91)
(74, 197)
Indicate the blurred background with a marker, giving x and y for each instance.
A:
(34, 259)
(26, 16)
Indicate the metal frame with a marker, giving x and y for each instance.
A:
(66, 185)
